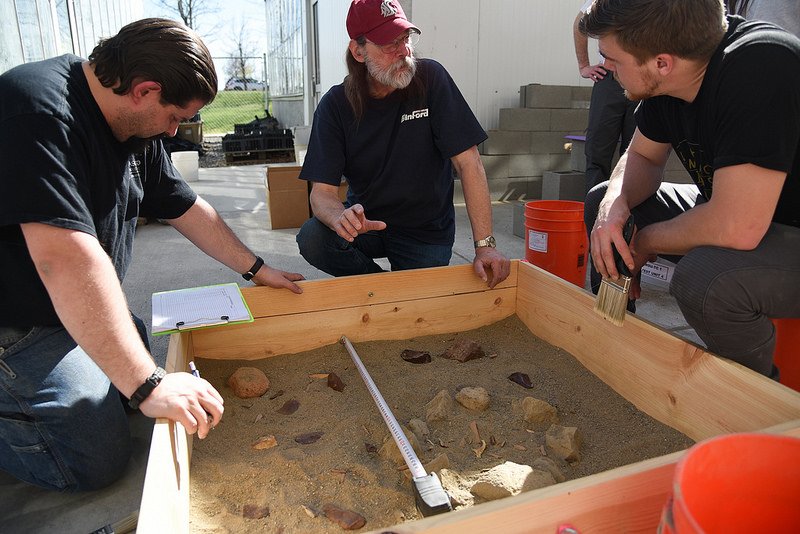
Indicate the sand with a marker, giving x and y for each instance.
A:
(285, 488)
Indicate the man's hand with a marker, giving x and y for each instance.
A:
(267, 276)
(187, 399)
(491, 258)
(352, 222)
(607, 230)
(593, 72)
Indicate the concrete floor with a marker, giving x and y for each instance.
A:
(164, 260)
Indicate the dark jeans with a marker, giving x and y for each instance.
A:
(727, 296)
(610, 121)
(322, 248)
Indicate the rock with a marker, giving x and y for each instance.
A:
(390, 451)
(255, 511)
(415, 356)
(346, 519)
(522, 379)
(335, 383)
(248, 382)
(473, 398)
(464, 350)
(289, 407)
(457, 488)
(509, 479)
(308, 438)
(439, 408)
(264, 442)
(537, 411)
(543, 463)
(437, 464)
(418, 427)
(565, 442)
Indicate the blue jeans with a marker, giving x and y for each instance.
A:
(62, 425)
(728, 296)
(322, 248)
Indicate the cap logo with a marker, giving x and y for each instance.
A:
(387, 9)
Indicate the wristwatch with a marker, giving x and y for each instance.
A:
(147, 388)
(254, 269)
(487, 241)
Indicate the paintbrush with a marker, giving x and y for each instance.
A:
(612, 298)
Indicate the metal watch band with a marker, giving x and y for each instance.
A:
(487, 241)
(146, 388)
(254, 269)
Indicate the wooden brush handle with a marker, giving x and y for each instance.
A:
(627, 234)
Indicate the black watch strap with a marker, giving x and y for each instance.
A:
(146, 388)
(254, 269)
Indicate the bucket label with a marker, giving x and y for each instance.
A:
(657, 271)
(537, 241)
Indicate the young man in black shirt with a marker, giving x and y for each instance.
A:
(724, 93)
(80, 160)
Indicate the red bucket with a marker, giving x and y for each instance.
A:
(736, 483)
(787, 332)
(555, 238)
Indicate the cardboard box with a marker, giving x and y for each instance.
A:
(673, 381)
(287, 196)
(191, 131)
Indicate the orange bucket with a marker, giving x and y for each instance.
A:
(736, 483)
(555, 238)
(787, 351)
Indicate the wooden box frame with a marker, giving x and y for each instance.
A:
(673, 381)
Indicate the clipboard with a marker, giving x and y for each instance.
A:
(198, 307)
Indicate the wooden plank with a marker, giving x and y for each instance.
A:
(289, 334)
(371, 289)
(671, 380)
(165, 497)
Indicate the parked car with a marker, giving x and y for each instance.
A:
(244, 84)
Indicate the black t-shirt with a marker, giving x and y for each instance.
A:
(747, 111)
(396, 159)
(61, 165)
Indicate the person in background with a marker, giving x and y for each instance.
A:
(395, 129)
(80, 160)
(724, 93)
(610, 113)
(784, 13)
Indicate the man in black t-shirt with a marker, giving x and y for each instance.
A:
(394, 130)
(80, 160)
(724, 93)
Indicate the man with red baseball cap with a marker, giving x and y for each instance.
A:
(395, 130)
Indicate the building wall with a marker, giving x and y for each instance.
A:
(490, 47)
(33, 30)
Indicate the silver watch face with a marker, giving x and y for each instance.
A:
(486, 242)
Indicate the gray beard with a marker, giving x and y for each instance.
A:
(393, 76)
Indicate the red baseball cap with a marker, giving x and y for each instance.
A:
(380, 21)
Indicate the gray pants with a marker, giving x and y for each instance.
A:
(727, 296)
(610, 121)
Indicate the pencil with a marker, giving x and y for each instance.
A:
(612, 298)
(194, 370)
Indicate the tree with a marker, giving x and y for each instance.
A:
(190, 10)
(242, 56)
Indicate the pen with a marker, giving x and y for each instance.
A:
(193, 369)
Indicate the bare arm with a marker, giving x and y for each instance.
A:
(348, 223)
(586, 69)
(88, 298)
(469, 166)
(203, 226)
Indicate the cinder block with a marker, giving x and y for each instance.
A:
(500, 190)
(563, 185)
(548, 142)
(577, 155)
(496, 166)
(582, 92)
(548, 96)
(677, 177)
(518, 219)
(524, 119)
(528, 164)
(674, 162)
(506, 142)
(562, 120)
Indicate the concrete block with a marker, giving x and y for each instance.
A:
(582, 92)
(564, 185)
(534, 187)
(559, 162)
(518, 219)
(577, 155)
(496, 166)
(569, 120)
(674, 162)
(524, 119)
(548, 142)
(677, 177)
(506, 142)
(528, 164)
(500, 190)
(548, 96)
